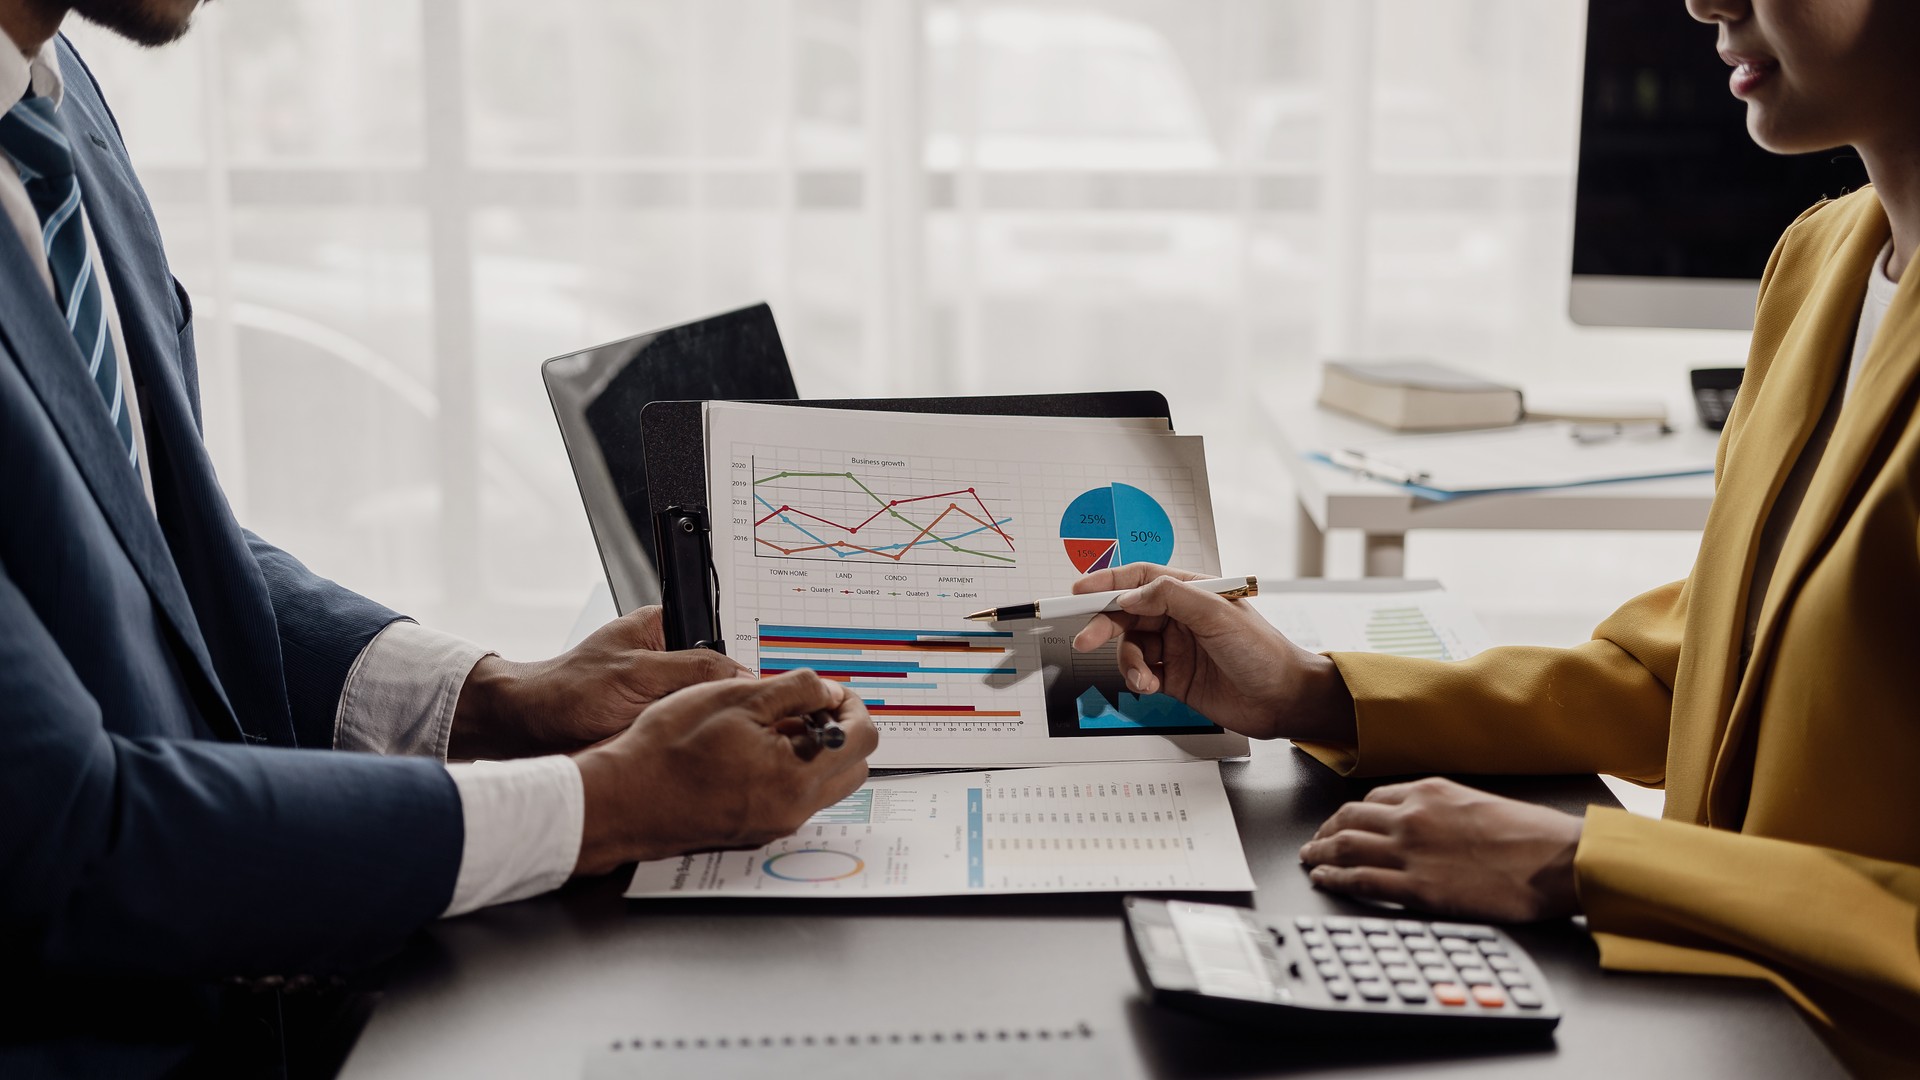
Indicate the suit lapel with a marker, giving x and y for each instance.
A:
(1794, 387)
(215, 577)
(1880, 397)
(51, 362)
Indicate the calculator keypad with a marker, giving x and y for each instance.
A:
(1454, 965)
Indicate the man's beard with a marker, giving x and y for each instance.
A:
(147, 22)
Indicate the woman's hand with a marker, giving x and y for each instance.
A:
(1445, 848)
(1217, 655)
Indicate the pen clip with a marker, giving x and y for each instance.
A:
(1599, 431)
(1251, 588)
(1357, 462)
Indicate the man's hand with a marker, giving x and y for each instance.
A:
(589, 694)
(722, 765)
(1445, 848)
(1217, 655)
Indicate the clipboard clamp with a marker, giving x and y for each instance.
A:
(684, 539)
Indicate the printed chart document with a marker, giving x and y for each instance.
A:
(1526, 457)
(1070, 828)
(1426, 622)
(856, 543)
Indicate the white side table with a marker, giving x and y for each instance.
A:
(1334, 498)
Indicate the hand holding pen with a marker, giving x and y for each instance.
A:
(1082, 604)
(824, 730)
(1180, 634)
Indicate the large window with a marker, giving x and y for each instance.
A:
(390, 211)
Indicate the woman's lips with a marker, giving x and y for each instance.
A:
(1750, 71)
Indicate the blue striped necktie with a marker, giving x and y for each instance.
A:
(44, 158)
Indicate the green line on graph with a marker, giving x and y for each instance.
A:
(884, 505)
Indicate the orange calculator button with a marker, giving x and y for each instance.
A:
(1490, 996)
(1449, 994)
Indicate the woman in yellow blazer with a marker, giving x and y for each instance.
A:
(1775, 693)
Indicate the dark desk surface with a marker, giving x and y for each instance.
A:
(531, 989)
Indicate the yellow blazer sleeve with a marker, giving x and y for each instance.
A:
(1836, 932)
(1605, 705)
(1602, 706)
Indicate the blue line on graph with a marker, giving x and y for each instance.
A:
(891, 685)
(790, 521)
(838, 554)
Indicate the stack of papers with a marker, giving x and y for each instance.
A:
(855, 544)
(1531, 457)
(1065, 828)
(1422, 620)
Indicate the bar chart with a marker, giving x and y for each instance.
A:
(931, 679)
(1405, 631)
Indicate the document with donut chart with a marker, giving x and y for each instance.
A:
(1119, 827)
(855, 544)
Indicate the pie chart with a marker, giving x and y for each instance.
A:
(1113, 526)
(813, 865)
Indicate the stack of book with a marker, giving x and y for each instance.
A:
(1415, 395)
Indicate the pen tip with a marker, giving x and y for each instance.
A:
(984, 616)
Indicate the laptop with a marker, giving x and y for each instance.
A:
(597, 396)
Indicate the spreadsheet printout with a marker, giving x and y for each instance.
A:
(1116, 827)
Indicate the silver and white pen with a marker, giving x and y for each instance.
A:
(1070, 607)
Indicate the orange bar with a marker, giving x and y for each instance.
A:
(886, 712)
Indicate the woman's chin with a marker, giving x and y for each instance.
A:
(1779, 132)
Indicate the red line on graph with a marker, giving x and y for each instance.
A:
(891, 503)
(854, 530)
(841, 545)
(989, 522)
(921, 535)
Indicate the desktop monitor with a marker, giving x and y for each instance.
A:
(1676, 209)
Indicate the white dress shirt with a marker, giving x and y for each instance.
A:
(1873, 311)
(1793, 490)
(523, 819)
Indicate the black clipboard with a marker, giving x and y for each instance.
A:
(674, 445)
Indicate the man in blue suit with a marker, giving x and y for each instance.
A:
(176, 817)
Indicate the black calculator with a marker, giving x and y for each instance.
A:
(1337, 974)
(1714, 390)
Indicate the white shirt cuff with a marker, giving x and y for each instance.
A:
(523, 822)
(401, 693)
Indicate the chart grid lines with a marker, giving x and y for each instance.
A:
(844, 506)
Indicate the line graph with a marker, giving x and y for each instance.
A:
(836, 516)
